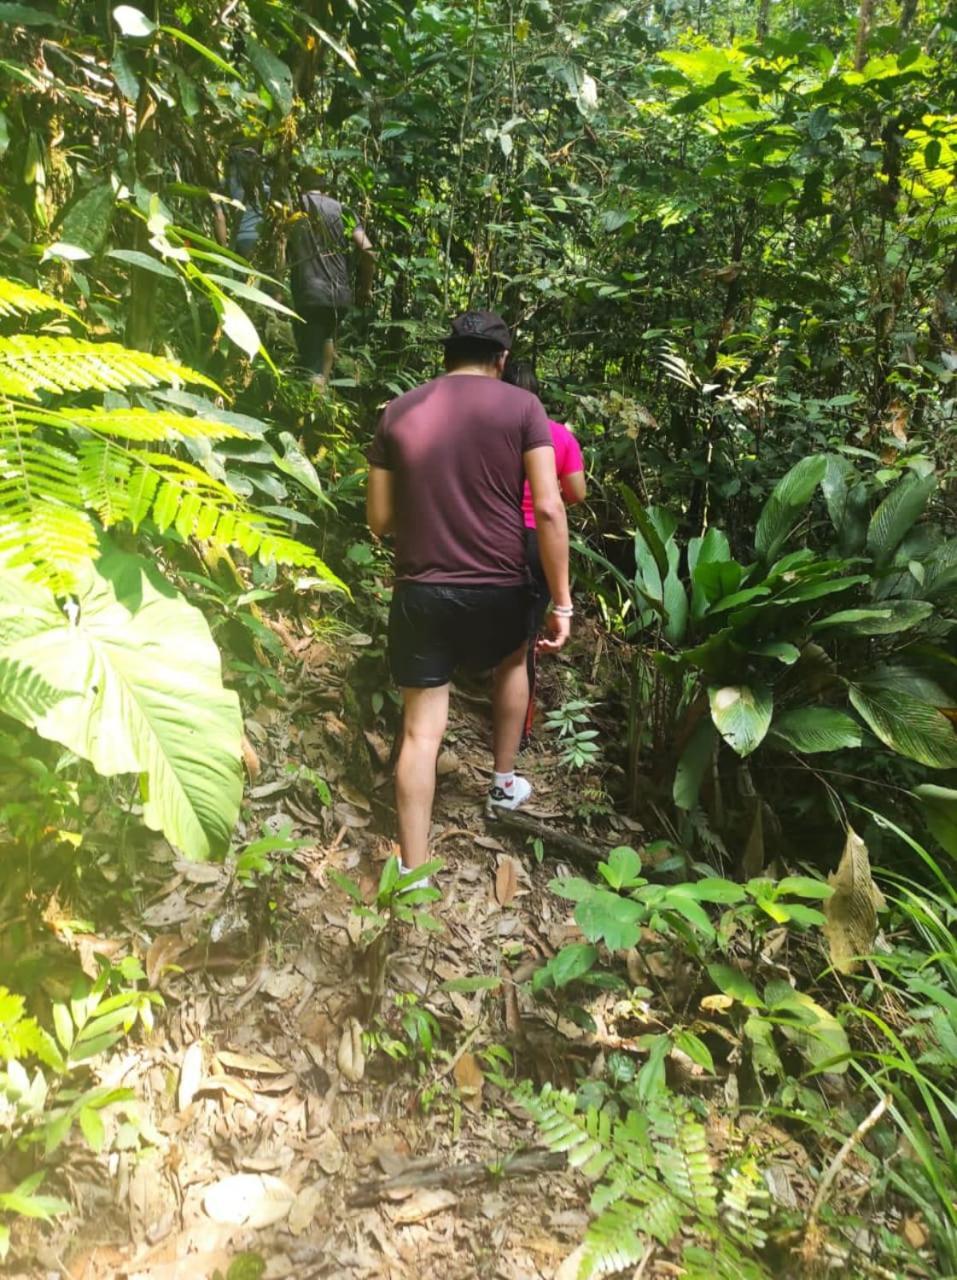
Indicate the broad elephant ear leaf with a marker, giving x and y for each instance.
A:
(133, 684)
(912, 728)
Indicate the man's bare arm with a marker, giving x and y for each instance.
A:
(552, 529)
(380, 501)
(366, 265)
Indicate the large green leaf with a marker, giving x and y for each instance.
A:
(817, 1033)
(896, 514)
(812, 729)
(896, 615)
(940, 810)
(847, 502)
(742, 715)
(714, 580)
(914, 729)
(710, 549)
(273, 72)
(790, 495)
(605, 917)
(675, 598)
(645, 528)
(801, 592)
(692, 765)
(87, 222)
(139, 691)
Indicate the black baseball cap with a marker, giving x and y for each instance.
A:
(484, 325)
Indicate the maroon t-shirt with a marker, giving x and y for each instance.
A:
(455, 448)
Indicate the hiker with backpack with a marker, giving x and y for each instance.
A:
(318, 257)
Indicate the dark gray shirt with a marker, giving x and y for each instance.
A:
(318, 254)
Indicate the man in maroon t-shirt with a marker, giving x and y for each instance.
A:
(447, 469)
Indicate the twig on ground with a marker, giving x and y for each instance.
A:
(460, 1052)
(834, 1168)
(646, 1259)
(458, 1175)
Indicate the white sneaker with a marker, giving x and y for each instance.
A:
(421, 883)
(499, 798)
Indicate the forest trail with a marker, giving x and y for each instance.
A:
(243, 1075)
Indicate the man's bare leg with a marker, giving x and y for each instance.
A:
(425, 713)
(509, 704)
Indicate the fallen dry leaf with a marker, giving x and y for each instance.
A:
(88, 948)
(249, 1200)
(506, 880)
(448, 762)
(914, 1233)
(190, 1075)
(717, 1003)
(259, 1064)
(328, 1152)
(351, 1059)
(851, 910)
(470, 1081)
(421, 1205)
(304, 1210)
(569, 1268)
(391, 1151)
(228, 1085)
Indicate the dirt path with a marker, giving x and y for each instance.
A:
(249, 1135)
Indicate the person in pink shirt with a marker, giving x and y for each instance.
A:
(570, 468)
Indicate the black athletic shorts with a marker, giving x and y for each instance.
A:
(434, 628)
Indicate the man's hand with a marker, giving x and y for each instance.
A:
(559, 629)
(364, 294)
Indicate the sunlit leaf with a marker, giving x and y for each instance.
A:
(742, 715)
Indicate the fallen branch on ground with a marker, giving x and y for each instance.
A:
(573, 847)
(458, 1175)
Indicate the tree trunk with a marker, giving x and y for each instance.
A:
(865, 16)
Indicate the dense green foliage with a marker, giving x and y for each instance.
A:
(728, 236)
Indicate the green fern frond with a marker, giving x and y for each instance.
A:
(22, 1037)
(21, 299)
(103, 476)
(681, 1145)
(29, 364)
(177, 494)
(614, 1240)
(653, 1174)
(52, 542)
(40, 525)
(721, 1260)
(142, 426)
(745, 1204)
(58, 465)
